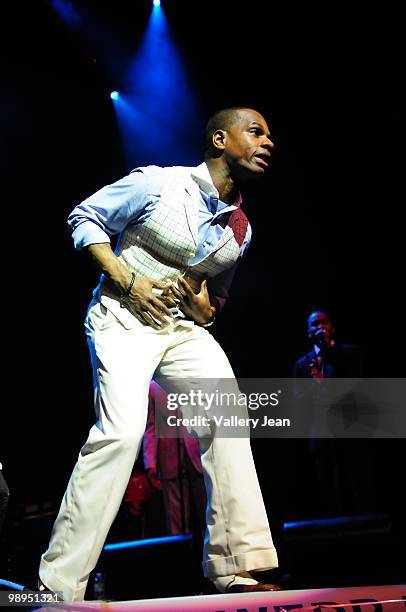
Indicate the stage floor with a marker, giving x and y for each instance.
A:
(352, 599)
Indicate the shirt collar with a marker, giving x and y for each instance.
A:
(203, 178)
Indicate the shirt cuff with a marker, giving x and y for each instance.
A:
(88, 233)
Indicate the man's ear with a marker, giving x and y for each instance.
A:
(219, 139)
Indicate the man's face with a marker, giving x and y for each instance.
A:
(320, 323)
(247, 146)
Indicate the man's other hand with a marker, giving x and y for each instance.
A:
(197, 305)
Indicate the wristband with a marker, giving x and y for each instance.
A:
(210, 323)
(127, 292)
(213, 318)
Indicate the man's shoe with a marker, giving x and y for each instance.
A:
(252, 588)
(242, 583)
(275, 576)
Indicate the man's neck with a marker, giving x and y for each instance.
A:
(220, 175)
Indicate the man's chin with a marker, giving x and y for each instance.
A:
(253, 172)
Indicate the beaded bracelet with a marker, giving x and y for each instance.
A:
(127, 292)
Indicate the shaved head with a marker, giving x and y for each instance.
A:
(238, 145)
(222, 120)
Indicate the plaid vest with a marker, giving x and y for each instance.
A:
(162, 246)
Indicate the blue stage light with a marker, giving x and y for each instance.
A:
(157, 2)
(157, 104)
(11, 585)
(67, 12)
(148, 542)
(114, 95)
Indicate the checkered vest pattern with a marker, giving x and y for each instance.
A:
(162, 246)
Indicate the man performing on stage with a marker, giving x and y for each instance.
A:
(181, 236)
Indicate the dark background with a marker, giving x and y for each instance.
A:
(327, 222)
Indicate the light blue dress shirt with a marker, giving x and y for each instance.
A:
(132, 200)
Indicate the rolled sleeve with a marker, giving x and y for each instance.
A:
(108, 211)
(87, 233)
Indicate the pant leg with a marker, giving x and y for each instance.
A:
(238, 536)
(123, 363)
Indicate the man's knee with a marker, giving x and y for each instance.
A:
(120, 439)
(129, 440)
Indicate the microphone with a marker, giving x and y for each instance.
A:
(320, 338)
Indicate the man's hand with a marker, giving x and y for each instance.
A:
(153, 478)
(142, 301)
(145, 304)
(196, 306)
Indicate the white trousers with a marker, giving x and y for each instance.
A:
(124, 361)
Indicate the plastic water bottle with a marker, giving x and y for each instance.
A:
(98, 586)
